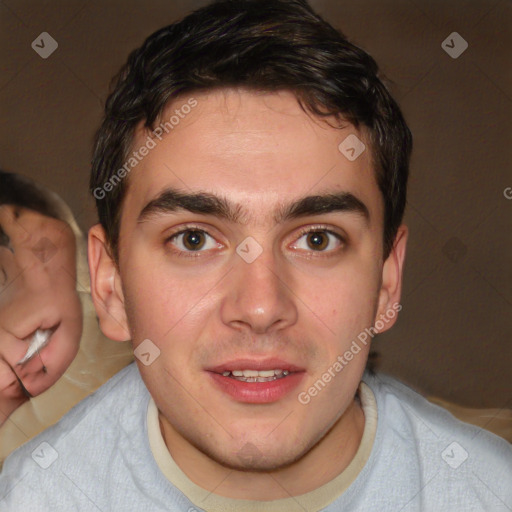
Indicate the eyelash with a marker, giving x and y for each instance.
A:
(302, 232)
(186, 254)
(325, 229)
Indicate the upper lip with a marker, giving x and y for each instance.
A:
(255, 364)
(30, 350)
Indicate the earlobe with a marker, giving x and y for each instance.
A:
(391, 287)
(106, 291)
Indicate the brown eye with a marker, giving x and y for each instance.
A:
(193, 240)
(317, 240)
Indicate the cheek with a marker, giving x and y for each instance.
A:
(344, 300)
(162, 302)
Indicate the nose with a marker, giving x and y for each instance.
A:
(259, 296)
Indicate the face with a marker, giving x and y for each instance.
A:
(251, 277)
(37, 292)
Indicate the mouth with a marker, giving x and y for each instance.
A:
(255, 375)
(37, 341)
(253, 381)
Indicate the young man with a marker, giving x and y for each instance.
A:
(250, 178)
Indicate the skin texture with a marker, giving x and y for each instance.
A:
(305, 306)
(37, 291)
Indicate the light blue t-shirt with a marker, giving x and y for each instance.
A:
(98, 458)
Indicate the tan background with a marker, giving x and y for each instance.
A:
(453, 338)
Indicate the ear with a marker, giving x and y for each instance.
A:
(391, 287)
(106, 290)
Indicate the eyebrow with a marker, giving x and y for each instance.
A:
(171, 200)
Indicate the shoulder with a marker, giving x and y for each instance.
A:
(397, 400)
(85, 437)
(460, 459)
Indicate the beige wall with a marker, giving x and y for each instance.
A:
(454, 336)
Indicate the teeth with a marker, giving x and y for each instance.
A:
(264, 373)
(255, 375)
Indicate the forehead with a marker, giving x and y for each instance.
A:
(259, 150)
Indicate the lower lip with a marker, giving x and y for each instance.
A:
(257, 392)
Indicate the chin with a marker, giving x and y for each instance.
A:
(262, 463)
(253, 459)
